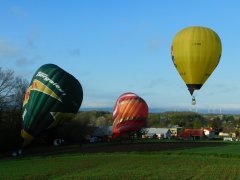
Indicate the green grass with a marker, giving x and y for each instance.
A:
(232, 149)
(221, 162)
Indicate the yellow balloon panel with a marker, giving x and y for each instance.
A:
(196, 52)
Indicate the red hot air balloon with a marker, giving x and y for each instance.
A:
(130, 114)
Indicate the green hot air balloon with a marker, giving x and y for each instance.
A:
(52, 97)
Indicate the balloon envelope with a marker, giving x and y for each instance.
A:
(130, 114)
(196, 52)
(52, 97)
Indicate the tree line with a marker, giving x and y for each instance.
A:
(195, 120)
(12, 91)
(169, 119)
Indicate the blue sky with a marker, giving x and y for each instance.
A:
(120, 46)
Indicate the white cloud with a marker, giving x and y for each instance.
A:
(75, 52)
(154, 44)
(19, 11)
(24, 61)
(156, 82)
(31, 40)
(20, 56)
(8, 50)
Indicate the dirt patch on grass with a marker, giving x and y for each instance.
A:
(147, 147)
(118, 147)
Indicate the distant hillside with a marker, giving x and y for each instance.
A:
(160, 110)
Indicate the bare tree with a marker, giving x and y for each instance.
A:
(7, 83)
(20, 88)
(12, 90)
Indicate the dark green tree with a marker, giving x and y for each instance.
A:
(217, 124)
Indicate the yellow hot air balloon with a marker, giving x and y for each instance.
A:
(196, 52)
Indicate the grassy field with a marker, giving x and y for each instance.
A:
(221, 162)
